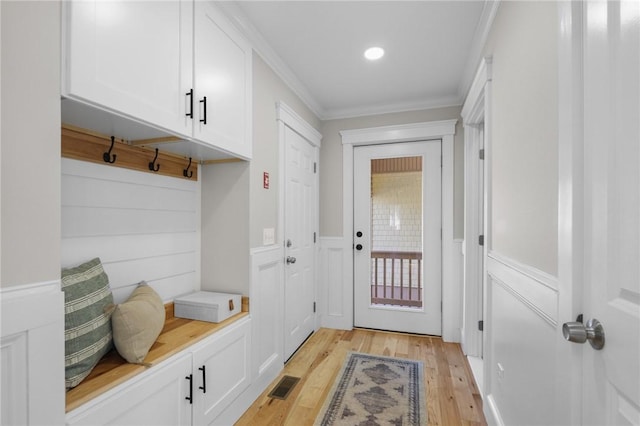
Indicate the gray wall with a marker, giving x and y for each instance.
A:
(331, 163)
(268, 89)
(524, 155)
(30, 137)
(235, 206)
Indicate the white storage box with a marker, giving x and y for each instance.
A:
(207, 306)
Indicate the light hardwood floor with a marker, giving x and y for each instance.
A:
(452, 395)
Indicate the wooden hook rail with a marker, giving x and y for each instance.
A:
(81, 144)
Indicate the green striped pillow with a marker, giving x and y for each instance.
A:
(87, 319)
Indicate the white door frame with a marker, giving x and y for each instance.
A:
(286, 116)
(426, 318)
(570, 208)
(444, 130)
(476, 117)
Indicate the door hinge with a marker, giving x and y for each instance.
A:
(315, 167)
(481, 154)
(481, 240)
(481, 325)
(314, 237)
(314, 307)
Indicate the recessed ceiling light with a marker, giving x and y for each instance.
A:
(374, 53)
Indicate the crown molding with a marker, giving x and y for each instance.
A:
(445, 102)
(480, 37)
(237, 16)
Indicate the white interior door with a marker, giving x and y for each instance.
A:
(300, 219)
(611, 375)
(397, 241)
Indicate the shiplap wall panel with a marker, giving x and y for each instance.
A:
(117, 248)
(167, 288)
(144, 227)
(108, 194)
(98, 221)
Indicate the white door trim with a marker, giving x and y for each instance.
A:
(570, 207)
(286, 116)
(476, 118)
(444, 130)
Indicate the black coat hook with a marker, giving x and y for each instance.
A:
(107, 155)
(152, 165)
(186, 173)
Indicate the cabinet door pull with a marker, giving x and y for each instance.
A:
(190, 95)
(204, 380)
(190, 397)
(204, 101)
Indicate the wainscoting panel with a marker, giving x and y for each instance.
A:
(520, 335)
(452, 296)
(267, 318)
(266, 307)
(143, 227)
(32, 327)
(334, 293)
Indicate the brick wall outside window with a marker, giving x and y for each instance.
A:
(396, 217)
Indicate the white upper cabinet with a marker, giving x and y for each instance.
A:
(134, 58)
(143, 69)
(222, 82)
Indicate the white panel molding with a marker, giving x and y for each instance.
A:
(14, 395)
(334, 292)
(32, 325)
(266, 299)
(452, 317)
(536, 289)
(265, 305)
(444, 130)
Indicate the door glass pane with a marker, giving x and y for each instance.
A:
(396, 232)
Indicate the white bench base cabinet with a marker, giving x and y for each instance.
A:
(159, 396)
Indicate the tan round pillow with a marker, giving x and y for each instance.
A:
(137, 323)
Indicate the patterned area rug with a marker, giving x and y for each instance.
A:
(374, 390)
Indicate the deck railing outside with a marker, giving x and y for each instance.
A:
(396, 278)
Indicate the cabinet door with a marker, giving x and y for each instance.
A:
(159, 398)
(222, 75)
(226, 374)
(133, 58)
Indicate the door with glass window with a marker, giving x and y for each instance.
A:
(397, 237)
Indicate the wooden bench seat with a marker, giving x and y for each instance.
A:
(177, 334)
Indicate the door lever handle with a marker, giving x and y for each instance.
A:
(291, 259)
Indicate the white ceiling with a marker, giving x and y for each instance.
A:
(432, 49)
